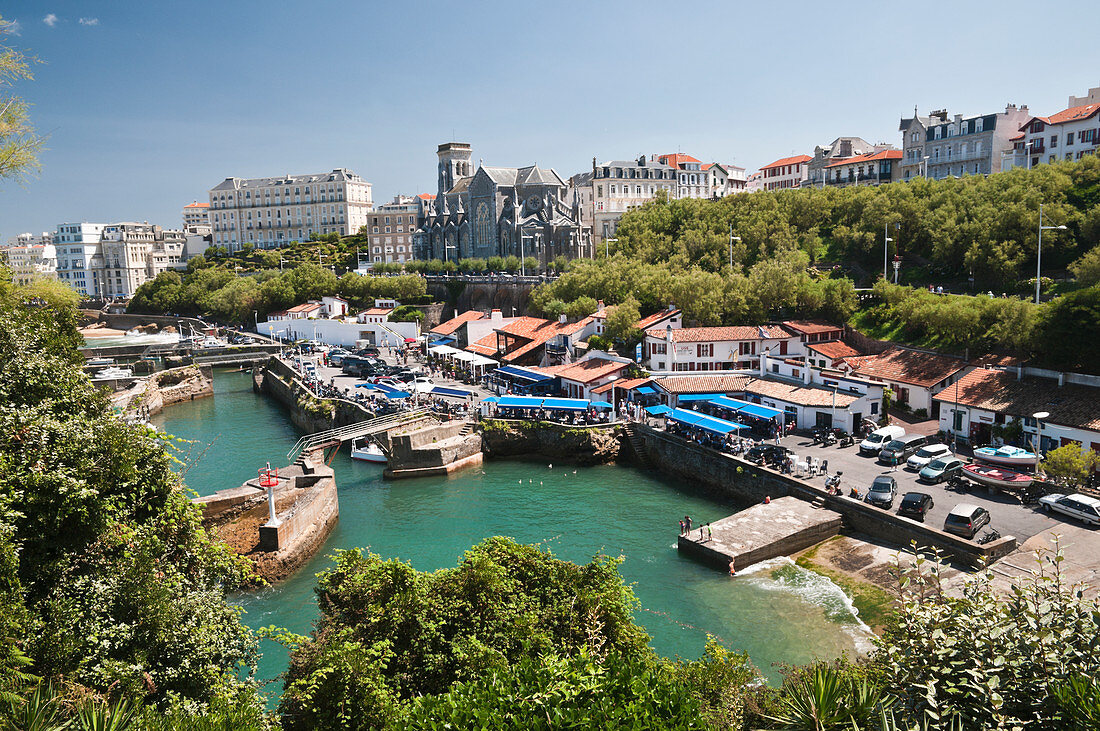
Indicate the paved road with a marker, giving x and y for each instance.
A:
(1008, 516)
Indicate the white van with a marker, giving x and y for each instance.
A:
(879, 438)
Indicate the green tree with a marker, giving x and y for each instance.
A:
(19, 144)
(1068, 335)
(1069, 464)
(621, 324)
(1086, 270)
(581, 307)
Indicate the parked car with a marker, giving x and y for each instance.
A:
(926, 454)
(1083, 507)
(423, 384)
(916, 505)
(966, 520)
(902, 448)
(879, 438)
(941, 469)
(882, 492)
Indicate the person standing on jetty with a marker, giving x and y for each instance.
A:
(687, 522)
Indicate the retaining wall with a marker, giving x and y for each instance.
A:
(590, 444)
(732, 478)
(282, 382)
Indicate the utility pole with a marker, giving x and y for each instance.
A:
(732, 239)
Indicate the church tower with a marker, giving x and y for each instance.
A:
(454, 164)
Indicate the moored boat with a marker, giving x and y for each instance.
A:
(115, 372)
(1006, 455)
(998, 477)
(367, 451)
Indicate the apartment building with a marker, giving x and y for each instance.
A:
(79, 259)
(31, 258)
(391, 227)
(133, 253)
(271, 212)
(914, 134)
(619, 185)
(195, 216)
(842, 148)
(872, 168)
(692, 180)
(1068, 135)
(971, 145)
(725, 179)
(789, 172)
(717, 348)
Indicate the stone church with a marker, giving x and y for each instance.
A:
(528, 211)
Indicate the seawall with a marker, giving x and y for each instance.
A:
(744, 483)
(436, 449)
(585, 445)
(164, 388)
(307, 412)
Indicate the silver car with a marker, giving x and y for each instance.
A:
(926, 454)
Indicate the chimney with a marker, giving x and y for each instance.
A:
(806, 374)
(562, 319)
(764, 362)
(599, 304)
(958, 118)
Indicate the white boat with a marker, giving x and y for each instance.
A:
(997, 477)
(114, 372)
(368, 451)
(1006, 455)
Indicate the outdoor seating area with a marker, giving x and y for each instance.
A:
(541, 408)
(459, 365)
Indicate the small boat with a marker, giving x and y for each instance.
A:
(114, 372)
(100, 362)
(368, 451)
(1008, 455)
(997, 477)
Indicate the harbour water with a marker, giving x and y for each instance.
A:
(778, 613)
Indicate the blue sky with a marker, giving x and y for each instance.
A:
(149, 104)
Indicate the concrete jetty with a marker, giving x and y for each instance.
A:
(781, 527)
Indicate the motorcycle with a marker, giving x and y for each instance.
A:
(827, 438)
(958, 484)
(989, 536)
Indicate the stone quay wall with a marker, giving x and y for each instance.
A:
(731, 478)
(177, 385)
(438, 445)
(307, 412)
(586, 445)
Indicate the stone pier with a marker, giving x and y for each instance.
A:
(781, 527)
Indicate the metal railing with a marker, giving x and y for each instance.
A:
(354, 431)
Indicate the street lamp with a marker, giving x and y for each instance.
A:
(885, 250)
(1039, 252)
(281, 261)
(926, 159)
(606, 248)
(1039, 416)
(732, 239)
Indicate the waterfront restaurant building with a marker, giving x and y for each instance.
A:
(716, 348)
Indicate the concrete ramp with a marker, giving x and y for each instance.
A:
(784, 526)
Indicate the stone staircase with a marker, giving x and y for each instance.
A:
(467, 429)
(637, 444)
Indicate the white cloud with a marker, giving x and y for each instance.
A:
(50, 20)
(89, 21)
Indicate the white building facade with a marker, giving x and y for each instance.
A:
(790, 172)
(716, 348)
(31, 261)
(1068, 135)
(619, 185)
(79, 260)
(391, 228)
(133, 253)
(271, 212)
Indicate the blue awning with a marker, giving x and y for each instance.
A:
(600, 405)
(564, 404)
(490, 400)
(658, 410)
(453, 392)
(645, 389)
(744, 407)
(520, 402)
(689, 397)
(522, 373)
(712, 424)
(441, 341)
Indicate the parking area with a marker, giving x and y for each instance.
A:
(1009, 517)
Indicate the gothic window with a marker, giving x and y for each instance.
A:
(483, 226)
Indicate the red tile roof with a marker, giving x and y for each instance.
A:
(539, 331)
(623, 383)
(1016, 137)
(1000, 392)
(676, 159)
(524, 326)
(811, 327)
(486, 346)
(788, 161)
(834, 349)
(448, 327)
(720, 334)
(910, 367)
(307, 307)
(377, 311)
(796, 393)
(426, 196)
(647, 322)
(196, 204)
(869, 157)
(703, 384)
(1073, 114)
(585, 371)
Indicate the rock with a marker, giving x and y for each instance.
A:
(579, 445)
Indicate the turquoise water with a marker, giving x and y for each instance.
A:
(777, 613)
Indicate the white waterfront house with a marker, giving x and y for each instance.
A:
(716, 348)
